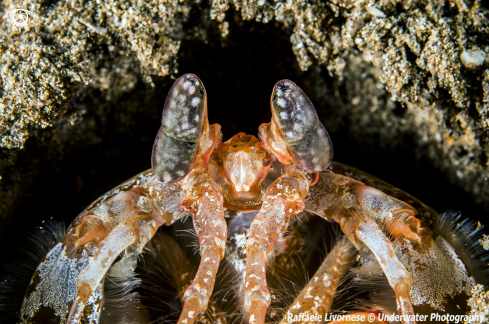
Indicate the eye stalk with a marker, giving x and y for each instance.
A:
(244, 164)
(185, 139)
(295, 133)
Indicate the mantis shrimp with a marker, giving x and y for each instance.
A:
(417, 258)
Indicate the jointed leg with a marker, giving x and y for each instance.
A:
(358, 208)
(90, 229)
(128, 219)
(205, 202)
(117, 240)
(399, 279)
(316, 298)
(282, 200)
(397, 275)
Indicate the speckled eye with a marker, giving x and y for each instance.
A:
(177, 143)
(307, 140)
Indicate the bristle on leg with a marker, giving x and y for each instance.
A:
(317, 296)
(120, 238)
(258, 310)
(281, 200)
(397, 275)
(205, 202)
(191, 309)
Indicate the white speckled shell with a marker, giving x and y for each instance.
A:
(176, 144)
(307, 140)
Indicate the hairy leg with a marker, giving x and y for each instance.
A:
(317, 296)
(282, 200)
(204, 200)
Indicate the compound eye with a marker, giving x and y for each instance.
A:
(307, 141)
(184, 116)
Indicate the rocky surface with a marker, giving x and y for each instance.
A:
(479, 304)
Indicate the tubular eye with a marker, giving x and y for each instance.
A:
(182, 124)
(307, 140)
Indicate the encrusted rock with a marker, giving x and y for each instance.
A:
(472, 58)
(44, 65)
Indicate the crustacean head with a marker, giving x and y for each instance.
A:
(244, 164)
(186, 141)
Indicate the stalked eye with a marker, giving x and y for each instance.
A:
(184, 116)
(295, 132)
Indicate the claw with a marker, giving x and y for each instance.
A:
(404, 223)
(128, 219)
(335, 195)
(117, 240)
(358, 208)
(397, 275)
(184, 115)
(397, 215)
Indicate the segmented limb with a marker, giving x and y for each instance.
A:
(334, 195)
(281, 200)
(316, 298)
(397, 275)
(205, 202)
(117, 240)
(358, 208)
(128, 219)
